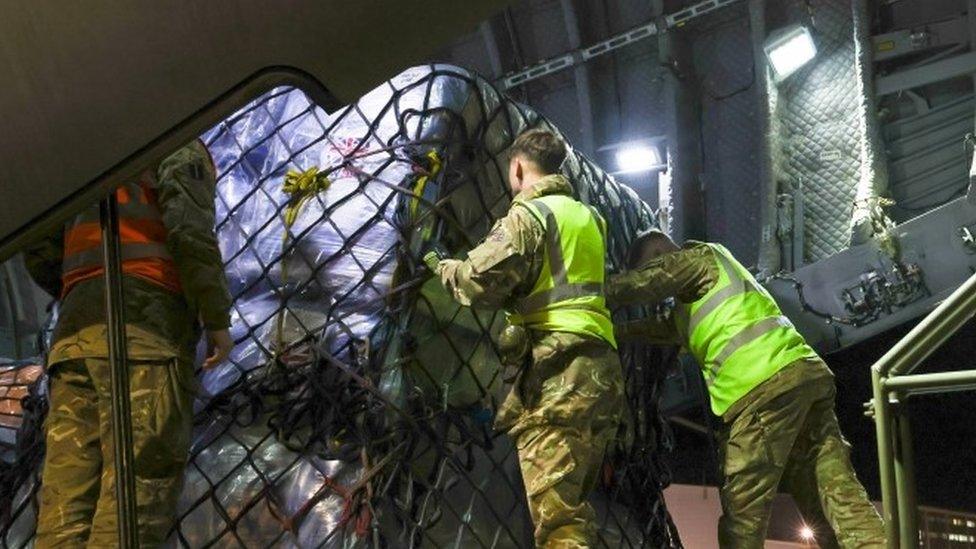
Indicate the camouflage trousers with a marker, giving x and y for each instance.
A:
(77, 498)
(786, 436)
(564, 413)
(560, 467)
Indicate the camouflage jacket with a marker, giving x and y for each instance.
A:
(686, 275)
(507, 263)
(159, 324)
(503, 268)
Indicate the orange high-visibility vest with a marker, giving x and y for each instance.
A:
(142, 237)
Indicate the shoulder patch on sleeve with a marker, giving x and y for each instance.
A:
(495, 248)
(498, 234)
(196, 170)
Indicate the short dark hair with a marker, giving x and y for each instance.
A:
(543, 148)
(649, 245)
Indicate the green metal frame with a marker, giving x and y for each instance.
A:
(893, 383)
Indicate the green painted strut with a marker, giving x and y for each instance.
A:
(891, 386)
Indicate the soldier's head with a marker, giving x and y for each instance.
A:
(649, 245)
(535, 154)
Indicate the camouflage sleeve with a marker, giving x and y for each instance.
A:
(43, 262)
(504, 265)
(687, 275)
(648, 330)
(186, 187)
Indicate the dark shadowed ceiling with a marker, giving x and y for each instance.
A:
(610, 99)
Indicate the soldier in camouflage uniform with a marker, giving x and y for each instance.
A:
(564, 408)
(774, 394)
(163, 324)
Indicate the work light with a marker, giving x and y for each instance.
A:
(637, 158)
(788, 49)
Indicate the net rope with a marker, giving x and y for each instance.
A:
(356, 408)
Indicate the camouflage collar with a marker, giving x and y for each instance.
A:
(550, 184)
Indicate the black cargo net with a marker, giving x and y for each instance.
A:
(356, 408)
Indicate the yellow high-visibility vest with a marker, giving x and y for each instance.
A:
(738, 333)
(568, 295)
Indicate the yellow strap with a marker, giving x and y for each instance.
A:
(421, 184)
(302, 186)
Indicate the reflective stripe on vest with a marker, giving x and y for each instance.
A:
(737, 285)
(142, 237)
(93, 257)
(568, 296)
(563, 289)
(738, 333)
(743, 338)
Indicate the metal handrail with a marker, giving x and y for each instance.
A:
(124, 465)
(892, 384)
(931, 332)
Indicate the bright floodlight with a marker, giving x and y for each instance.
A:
(789, 49)
(637, 158)
(806, 533)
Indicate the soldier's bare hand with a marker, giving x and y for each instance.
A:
(219, 346)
